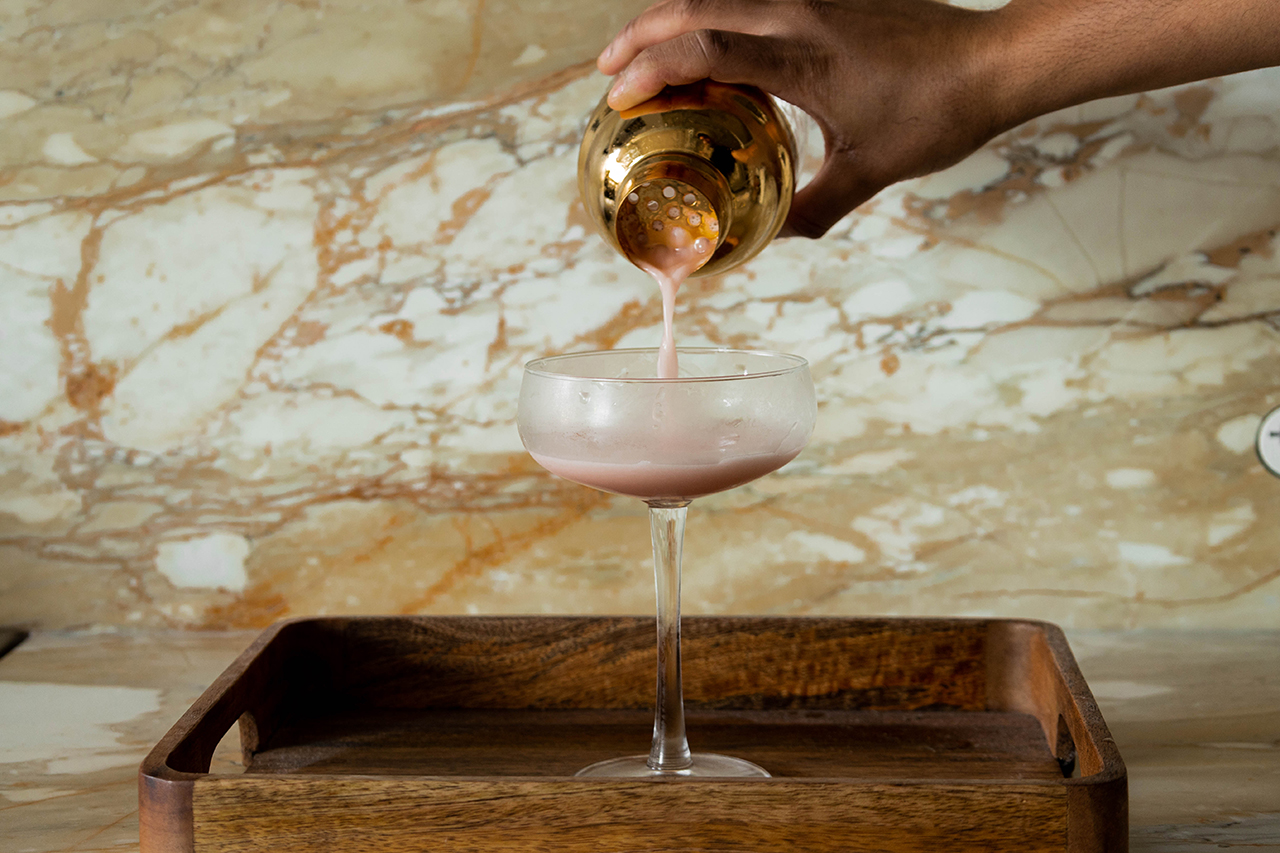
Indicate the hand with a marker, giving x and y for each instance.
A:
(902, 88)
(898, 88)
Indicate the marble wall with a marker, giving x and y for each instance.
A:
(269, 272)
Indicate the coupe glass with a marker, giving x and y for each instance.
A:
(602, 419)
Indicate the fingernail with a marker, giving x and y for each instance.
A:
(607, 52)
(619, 86)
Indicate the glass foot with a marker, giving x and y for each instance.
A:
(704, 764)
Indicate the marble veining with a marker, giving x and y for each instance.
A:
(70, 720)
(269, 272)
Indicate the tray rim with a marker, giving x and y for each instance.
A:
(166, 795)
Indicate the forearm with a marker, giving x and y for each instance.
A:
(1049, 54)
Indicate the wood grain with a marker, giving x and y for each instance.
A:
(602, 662)
(249, 815)
(460, 734)
(863, 745)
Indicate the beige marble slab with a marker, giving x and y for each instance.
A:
(269, 271)
(1196, 715)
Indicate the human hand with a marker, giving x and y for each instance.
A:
(899, 89)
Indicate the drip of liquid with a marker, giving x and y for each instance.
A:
(669, 239)
(669, 261)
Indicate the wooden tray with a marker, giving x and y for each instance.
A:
(462, 734)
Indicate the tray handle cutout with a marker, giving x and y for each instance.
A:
(1030, 670)
(1065, 751)
(250, 693)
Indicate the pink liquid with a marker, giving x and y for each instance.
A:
(671, 255)
(674, 481)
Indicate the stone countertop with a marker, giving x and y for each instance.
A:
(1196, 715)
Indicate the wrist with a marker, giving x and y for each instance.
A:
(1044, 55)
(1025, 68)
(990, 73)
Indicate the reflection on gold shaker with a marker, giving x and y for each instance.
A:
(718, 156)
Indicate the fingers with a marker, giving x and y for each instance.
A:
(837, 189)
(763, 43)
(670, 19)
(728, 57)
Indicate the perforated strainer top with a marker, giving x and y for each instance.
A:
(661, 204)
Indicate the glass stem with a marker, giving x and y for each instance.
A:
(670, 750)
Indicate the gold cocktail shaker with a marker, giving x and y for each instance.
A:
(719, 158)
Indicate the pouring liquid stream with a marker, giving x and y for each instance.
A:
(669, 268)
(673, 234)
